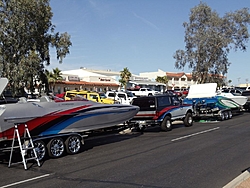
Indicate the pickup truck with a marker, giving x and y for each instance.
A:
(143, 92)
(122, 97)
(160, 110)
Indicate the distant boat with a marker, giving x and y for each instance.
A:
(241, 100)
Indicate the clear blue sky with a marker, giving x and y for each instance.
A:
(141, 35)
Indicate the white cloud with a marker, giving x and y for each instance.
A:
(147, 22)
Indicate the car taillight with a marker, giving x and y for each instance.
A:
(157, 114)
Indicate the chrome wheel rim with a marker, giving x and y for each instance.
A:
(57, 147)
(222, 116)
(74, 144)
(40, 150)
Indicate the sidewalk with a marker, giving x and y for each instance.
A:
(242, 181)
(244, 184)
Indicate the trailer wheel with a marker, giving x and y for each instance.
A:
(166, 124)
(40, 150)
(226, 115)
(230, 115)
(188, 120)
(73, 144)
(55, 147)
(222, 116)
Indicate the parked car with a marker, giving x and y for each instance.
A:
(122, 97)
(233, 91)
(161, 110)
(183, 92)
(170, 92)
(246, 106)
(93, 96)
(243, 88)
(139, 92)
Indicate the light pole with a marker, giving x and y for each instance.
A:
(239, 81)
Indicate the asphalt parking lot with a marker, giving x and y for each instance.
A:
(205, 155)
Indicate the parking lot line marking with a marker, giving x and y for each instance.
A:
(187, 136)
(20, 182)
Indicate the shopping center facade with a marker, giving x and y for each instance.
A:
(104, 80)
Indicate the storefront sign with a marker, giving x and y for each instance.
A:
(105, 79)
(73, 78)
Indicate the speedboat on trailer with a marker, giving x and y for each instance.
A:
(241, 100)
(59, 121)
(208, 104)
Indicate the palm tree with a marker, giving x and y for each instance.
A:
(57, 74)
(125, 75)
(162, 79)
(52, 77)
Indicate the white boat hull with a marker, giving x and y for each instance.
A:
(50, 118)
(241, 100)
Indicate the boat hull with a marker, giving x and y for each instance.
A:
(241, 100)
(219, 102)
(50, 118)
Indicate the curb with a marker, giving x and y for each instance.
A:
(235, 182)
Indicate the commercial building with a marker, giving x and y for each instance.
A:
(104, 80)
(81, 79)
(176, 80)
(179, 80)
(135, 80)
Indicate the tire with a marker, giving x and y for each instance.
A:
(166, 124)
(73, 144)
(188, 120)
(40, 149)
(55, 147)
(222, 116)
(230, 115)
(226, 115)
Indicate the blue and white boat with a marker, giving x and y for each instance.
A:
(208, 103)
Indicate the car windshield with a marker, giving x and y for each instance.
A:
(102, 96)
(130, 94)
(112, 94)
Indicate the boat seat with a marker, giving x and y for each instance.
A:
(22, 100)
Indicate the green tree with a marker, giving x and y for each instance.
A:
(26, 36)
(53, 77)
(125, 75)
(229, 82)
(162, 79)
(209, 38)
